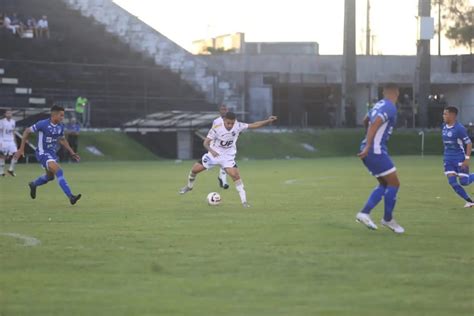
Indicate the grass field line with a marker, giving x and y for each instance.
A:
(28, 241)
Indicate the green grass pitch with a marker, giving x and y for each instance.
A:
(133, 246)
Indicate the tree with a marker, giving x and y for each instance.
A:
(458, 16)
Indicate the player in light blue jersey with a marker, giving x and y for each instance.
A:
(456, 157)
(50, 133)
(374, 153)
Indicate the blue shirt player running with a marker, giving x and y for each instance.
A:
(374, 153)
(50, 133)
(456, 159)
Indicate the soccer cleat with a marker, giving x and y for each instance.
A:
(32, 190)
(223, 185)
(246, 205)
(366, 220)
(468, 205)
(2, 175)
(184, 190)
(393, 225)
(73, 199)
(12, 173)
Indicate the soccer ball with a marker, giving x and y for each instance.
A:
(213, 198)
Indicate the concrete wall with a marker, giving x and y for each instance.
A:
(372, 71)
(141, 37)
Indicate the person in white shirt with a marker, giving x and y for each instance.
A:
(222, 177)
(8, 146)
(221, 145)
(43, 27)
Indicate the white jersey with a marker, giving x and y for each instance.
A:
(224, 141)
(7, 130)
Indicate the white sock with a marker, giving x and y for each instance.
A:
(191, 178)
(239, 185)
(12, 164)
(223, 176)
(2, 165)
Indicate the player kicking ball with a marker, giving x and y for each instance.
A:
(456, 160)
(50, 133)
(7, 143)
(221, 145)
(222, 177)
(374, 154)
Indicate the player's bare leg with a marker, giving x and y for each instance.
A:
(239, 185)
(197, 168)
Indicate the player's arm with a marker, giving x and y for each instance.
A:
(259, 124)
(24, 140)
(467, 141)
(207, 145)
(366, 121)
(468, 154)
(65, 144)
(370, 136)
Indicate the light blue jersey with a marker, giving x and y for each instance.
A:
(454, 139)
(48, 136)
(387, 111)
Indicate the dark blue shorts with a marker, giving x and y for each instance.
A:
(45, 157)
(379, 165)
(454, 166)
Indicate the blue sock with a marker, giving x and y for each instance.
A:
(458, 189)
(63, 183)
(374, 199)
(390, 200)
(42, 180)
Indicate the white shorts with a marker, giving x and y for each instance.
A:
(225, 161)
(8, 148)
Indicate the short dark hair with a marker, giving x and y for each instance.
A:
(230, 116)
(451, 109)
(57, 108)
(390, 86)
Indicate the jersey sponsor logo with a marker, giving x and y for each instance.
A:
(228, 143)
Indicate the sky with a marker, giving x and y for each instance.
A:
(184, 21)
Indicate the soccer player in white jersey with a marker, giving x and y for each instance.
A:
(222, 177)
(221, 145)
(8, 145)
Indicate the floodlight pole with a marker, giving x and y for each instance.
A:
(349, 69)
(423, 67)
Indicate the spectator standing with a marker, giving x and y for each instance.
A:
(43, 27)
(81, 104)
(32, 25)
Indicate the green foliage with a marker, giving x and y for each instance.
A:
(459, 21)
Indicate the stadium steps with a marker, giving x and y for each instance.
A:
(82, 58)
